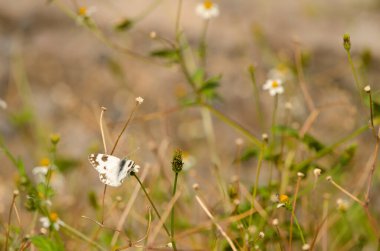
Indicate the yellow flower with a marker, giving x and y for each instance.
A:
(283, 198)
(44, 162)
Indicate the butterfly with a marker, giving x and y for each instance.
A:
(112, 170)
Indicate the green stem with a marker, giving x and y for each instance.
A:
(234, 125)
(81, 236)
(256, 94)
(202, 49)
(299, 228)
(258, 169)
(357, 83)
(178, 18)
(154, 207)
(274, 114)
(172, 213)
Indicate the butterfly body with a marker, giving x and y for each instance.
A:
(112, 170)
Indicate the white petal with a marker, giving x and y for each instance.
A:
(45, 222)
(40, 170)
(272, 92)
(280, 89)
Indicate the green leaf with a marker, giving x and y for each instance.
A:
(66, 164)
(171, 54)
(346, 157)
(198, 76)
(375, 103)
(92, 198)
(43, 243)
(124, 25)
(208, 88)
(249, 153)
(308, 140)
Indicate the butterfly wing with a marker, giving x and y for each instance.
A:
(108, 167)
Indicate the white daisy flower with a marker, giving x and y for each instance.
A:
(41, 171)
(207, 9)
(51, 222)
(274, 86)
(86, 12)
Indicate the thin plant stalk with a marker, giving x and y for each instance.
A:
(274, 115)
(203, 45)
(152, 203)
(172, 212)
(353, 69)
(81, 236)
(256, 94)
(258, 169)
(128, 207)
(9, 220)
(203, 206)
(178, 18)
(292, 217)
(125, 127)
(299, 228)
(234, 125)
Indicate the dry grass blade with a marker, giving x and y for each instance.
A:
(128, 207)
(203, 206)
(164, 216)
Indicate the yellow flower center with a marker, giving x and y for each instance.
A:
(275, 84)
(44, 162)
(283, 198)
(208, 4)
(53, 217)
(82, 11)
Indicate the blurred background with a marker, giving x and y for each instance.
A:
(55, 75)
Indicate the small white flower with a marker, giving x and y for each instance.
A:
(169, 245)
(261, 235)
(342, 205)
(275, 222)
(274, 86)
(52, 221)
(301, 175)
(86, 12)
(45, 222)
(3, 104)
(306, 246)
(40, 170)
(317, 172)
(367, 88)
(207, 9)
(139, 100)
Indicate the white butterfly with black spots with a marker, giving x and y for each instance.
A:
(112, 170)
